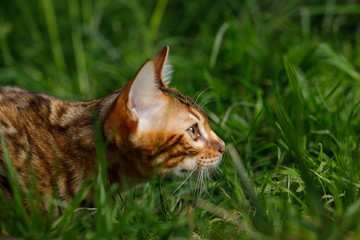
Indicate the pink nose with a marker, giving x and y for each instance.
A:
(221, 147)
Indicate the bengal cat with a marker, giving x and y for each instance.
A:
(151, 128)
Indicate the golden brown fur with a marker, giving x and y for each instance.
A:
(150, 127)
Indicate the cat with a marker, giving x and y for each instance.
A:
(151, 128)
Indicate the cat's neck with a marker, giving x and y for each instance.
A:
(122, 157)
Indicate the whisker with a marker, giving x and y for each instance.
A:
(201, 94)
(197, 186)
(192, 171)
(205, 179)
(203, 189)
(216, 171)
(204, 103)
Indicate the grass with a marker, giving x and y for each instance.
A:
(279, 81)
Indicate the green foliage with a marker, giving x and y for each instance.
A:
(279, 81)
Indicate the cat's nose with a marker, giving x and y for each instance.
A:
(221, 147)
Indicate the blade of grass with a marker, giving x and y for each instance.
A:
(52, 27)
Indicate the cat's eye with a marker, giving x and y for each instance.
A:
(193, 132)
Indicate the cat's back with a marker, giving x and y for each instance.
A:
(15, 98)
(25, 117)
(40, 118)
(10, 89)
(42, 125)
(18, 105)
(12, 96)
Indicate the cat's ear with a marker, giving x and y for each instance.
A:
(144, 92)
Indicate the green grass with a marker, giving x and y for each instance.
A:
(280, 84)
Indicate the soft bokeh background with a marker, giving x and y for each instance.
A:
(279, 81)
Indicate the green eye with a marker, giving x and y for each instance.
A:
(193, 132)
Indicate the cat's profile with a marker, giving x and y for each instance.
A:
(150, 127)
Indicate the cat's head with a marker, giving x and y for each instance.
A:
(165, 129)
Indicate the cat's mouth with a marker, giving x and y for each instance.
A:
(202, 164)
(206, 163)
(196, 165)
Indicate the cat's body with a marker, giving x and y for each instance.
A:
(149, 126)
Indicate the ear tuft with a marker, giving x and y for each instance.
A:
(162, 69)
(167, 72)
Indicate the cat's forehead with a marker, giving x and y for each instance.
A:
(183, 99)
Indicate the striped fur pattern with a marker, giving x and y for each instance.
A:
(151, 129)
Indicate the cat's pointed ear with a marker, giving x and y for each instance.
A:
(163, 69)
(144, 92)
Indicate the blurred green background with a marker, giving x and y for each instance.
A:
(279, 81)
